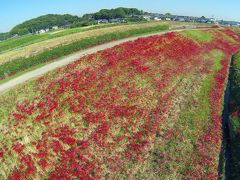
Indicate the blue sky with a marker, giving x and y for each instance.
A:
(13, 12)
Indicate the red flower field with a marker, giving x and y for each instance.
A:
(144, 109)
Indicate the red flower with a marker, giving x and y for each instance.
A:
(18, 117)
(18, 147)
(68, 140)
(1, 153)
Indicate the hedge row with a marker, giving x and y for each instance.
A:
(21, 64)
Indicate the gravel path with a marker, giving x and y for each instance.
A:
(71, 58)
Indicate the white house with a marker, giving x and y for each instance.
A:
(41, 31)
(102, 21)
(14, 36)
(147, 18)
(157, 19)
(181, 19)
(55, 27)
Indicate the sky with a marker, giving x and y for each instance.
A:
(13, 12)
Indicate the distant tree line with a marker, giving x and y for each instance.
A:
(50, 20)
(4, 36)
(113, 13)
(43, 22)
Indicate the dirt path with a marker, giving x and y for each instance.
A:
(71, 58)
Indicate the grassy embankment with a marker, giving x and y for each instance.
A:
(14, 66)
(177, 149)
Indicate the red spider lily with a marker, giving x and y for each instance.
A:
(1, 153)
(15, 176)
(29, 165)
(56, 146)
(19, 117)
(68, 140)
(18, 147)
(43, 163)
(25, 107)
(94, 117)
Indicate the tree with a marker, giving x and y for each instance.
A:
(168, 14)
(44, 22)
(119, 13)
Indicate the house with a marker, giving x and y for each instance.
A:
(102, 21)
(55, 28)
(168, 19)
(14, 36)
(157, 19)
(147, 18)
(41, 31)
(117, 20)
(182, 19)
(46, 30)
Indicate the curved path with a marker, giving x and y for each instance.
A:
(71, 58)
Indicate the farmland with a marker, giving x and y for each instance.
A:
(150, 108)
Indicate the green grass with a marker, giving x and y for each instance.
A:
(199, 35)
(22, 64)
(21, 73)
(235, 124)
(217, 56)
(25, 40)
(237, 60)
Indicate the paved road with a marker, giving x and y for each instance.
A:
(71, 58)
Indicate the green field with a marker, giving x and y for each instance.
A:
(25, 40)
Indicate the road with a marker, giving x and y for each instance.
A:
(71, 58)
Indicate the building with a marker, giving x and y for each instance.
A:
(55, 28)
(117, 20)
(41, 31)
(147, 18)
(102, 21)
(157, 19)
